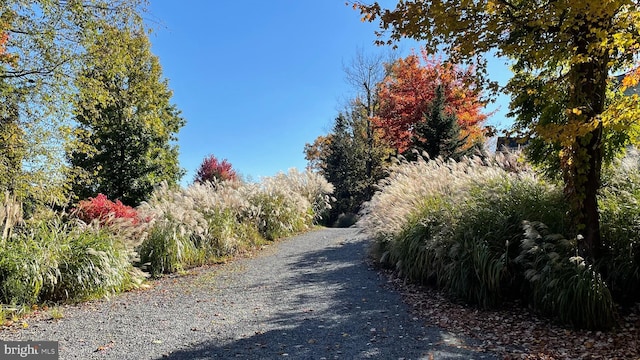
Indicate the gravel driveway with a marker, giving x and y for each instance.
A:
(308, 297)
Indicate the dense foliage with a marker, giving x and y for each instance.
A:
(42, 46)
(60, 258)
(214, 170)
(409, 90)
(103, 210)
(206, 221)
(493, 230)
(438, 133)
(126, 124)
(403, 107)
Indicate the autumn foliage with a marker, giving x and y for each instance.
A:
(213, 169)
(5, 57)
(407, 93)
(102, 209)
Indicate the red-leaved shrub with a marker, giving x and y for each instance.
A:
(102, 209)
(212, 169)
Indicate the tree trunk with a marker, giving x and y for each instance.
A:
(590, 216)
(588, 81)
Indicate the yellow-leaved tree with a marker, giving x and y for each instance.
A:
(563, 53)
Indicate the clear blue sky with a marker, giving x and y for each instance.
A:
(256, 80)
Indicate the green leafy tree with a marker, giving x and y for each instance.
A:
(126, 123)
(41, 44)
(438, 134)
(570, 45)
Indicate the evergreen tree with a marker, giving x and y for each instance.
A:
(126, 123)
(350, 164)
(438, 134)
(340, 168)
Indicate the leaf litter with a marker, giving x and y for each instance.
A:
(515, 332)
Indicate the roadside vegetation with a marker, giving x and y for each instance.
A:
(103, 247)
(492, 230)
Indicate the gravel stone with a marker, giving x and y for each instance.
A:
(311, 296)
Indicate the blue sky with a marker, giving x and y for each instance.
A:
(256, 80)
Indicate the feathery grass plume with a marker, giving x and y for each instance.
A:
(312, 186)
(281, 212)
(563, 285)
(488, 230)
(208, 220)
(619, 205)
(56, 260)
(459, 225)
(408, 184)
(178, 226)
(10, 214)
(288, 203)
(96, 265)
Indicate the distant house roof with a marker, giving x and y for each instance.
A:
(630, 90)
(507, 143)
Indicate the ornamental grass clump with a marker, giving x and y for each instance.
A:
(53, 260)
(210, 220)
(178, 231)
(461, 226)
(488, 233)
(560, 283)
(619, 205)
(289, 203)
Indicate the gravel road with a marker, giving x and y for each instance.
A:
(311, 296)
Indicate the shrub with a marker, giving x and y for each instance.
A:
(460, 225)
(214, 170)
(54, 260)
(562, 284)
(103, 210)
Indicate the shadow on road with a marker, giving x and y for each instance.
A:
(336, 308)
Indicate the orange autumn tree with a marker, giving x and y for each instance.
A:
(406, 95)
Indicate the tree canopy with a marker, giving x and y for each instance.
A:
(42, 46)
(213, 170)
(409, 89)
(127, 125)
(438, 133)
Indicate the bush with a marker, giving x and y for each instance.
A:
(52, 260)
(460, 226)
(562, 284)
(214, 171)
(104, 210)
